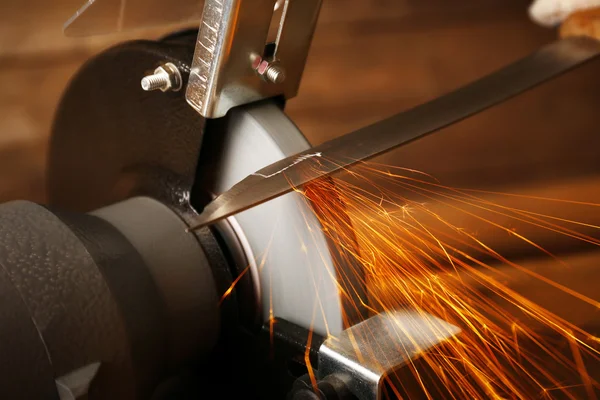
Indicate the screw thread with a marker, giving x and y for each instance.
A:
(155, 82)
(275, 74)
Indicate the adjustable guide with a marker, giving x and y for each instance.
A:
(234, 64)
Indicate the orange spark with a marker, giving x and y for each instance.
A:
(414, 256)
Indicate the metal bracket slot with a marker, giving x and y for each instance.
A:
(228, 68)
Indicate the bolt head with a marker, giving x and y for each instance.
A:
(262, 67)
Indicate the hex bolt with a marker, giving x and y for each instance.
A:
(166, 77)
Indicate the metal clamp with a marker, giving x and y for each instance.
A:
(233, 63)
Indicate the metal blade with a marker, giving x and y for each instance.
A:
(292, 172)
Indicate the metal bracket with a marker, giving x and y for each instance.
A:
(233, 63)
(367, 352)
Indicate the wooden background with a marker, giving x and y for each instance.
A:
(370, 59)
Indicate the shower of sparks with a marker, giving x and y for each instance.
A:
(410, 255)
(407, 237)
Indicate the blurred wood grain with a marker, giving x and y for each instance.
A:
(370, 59)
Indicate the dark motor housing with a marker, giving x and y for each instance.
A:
(122, 297)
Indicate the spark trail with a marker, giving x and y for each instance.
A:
(411, 255)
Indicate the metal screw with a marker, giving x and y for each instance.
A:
(270, 71)
(166, 77)
(275, 73)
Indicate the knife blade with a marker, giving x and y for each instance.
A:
(292, 172)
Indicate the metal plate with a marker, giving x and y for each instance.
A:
(363, 355)
(230, 48)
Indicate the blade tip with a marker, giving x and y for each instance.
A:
(198, 223)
